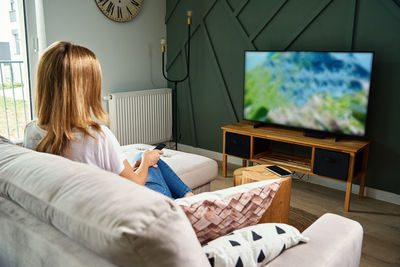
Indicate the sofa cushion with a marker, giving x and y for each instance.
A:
(27, 241)
(5, 140)
(252, 246)
(217, 213)
(334, 241)
(126, 223)
(194, 170)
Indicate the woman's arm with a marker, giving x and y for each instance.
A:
(139, 174)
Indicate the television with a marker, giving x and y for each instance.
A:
(324, 92)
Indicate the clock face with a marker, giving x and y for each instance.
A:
(120, 10)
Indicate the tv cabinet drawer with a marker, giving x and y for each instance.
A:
(331, 163)
(237, 145)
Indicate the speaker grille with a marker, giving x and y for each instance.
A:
(331, 163)
(237, 145)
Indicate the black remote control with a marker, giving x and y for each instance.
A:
(160, 146)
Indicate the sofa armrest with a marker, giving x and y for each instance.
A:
(334, 241)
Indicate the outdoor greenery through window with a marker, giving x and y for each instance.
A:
(15, 110)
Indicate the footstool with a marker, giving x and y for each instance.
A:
(195, 171)
(278, 211)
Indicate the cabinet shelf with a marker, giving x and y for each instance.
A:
(287, 160)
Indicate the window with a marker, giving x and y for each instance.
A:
(12, 5)
(16, 42)
(15, 100)
(13, 13)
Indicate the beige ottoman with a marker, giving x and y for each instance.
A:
(278, 211)
(195, 171)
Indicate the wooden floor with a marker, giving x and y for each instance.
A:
(380, 220)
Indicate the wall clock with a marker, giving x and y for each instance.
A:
(120, 10)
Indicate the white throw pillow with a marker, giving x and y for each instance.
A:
(252, 246)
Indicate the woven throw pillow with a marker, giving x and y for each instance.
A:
(252, 246)
(217, 213)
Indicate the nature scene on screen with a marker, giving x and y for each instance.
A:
(314, 90)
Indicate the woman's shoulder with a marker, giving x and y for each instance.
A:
(103, 134)
(33, 126)
(33, 129)
(33, 134)
(109, 135)
(106, 131)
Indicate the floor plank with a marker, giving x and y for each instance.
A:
(380, 220)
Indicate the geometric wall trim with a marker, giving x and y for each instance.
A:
(222, 30)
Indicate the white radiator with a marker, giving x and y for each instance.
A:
(141, 116)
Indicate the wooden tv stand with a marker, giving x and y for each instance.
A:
(344, 160)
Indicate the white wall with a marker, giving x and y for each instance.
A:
(129, 53)
(7, 27)
(5, 34)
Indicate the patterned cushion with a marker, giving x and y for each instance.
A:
(252, 246)
(214, 214)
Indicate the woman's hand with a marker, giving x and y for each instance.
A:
(150, 158)
(137, 164)
(139, 171)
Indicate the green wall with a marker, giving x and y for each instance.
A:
(223, 29)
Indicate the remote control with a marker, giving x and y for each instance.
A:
(160, 146)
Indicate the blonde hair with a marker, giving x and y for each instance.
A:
(68, 93)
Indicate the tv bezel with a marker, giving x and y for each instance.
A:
(328, 133)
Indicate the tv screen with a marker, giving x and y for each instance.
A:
(323, 91)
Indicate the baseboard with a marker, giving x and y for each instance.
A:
(368, 191)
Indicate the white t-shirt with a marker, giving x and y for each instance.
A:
(105, 152)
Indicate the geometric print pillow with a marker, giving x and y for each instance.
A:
(214, 214)
(252, 246)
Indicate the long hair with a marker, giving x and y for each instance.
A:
(68, 95)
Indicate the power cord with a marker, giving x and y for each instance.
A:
(301, 176)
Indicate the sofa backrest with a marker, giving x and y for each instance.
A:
(119, 220)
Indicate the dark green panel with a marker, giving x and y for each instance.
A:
(290, 21)
(327, 32)
(171, 4)
(379, 30)
(253, 18)
(186, 125)
(211, 108)
(225, 28)
(178, 18)
(236, 4)
(229, 49)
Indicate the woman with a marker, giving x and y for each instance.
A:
(68, 109)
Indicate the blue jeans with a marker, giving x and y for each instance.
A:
(165, 181)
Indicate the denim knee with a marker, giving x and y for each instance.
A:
(158, 188)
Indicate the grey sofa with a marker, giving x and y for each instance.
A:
(55, 212)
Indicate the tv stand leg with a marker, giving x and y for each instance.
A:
(364, 170)
(244, 163)
(348, 195)
(362, 185)
(349, 182)
(224, 165)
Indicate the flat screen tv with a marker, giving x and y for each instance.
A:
(326, 92)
